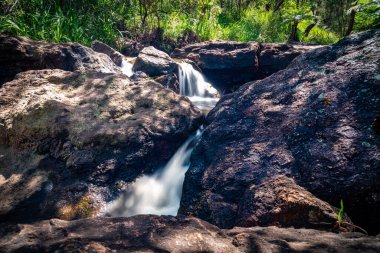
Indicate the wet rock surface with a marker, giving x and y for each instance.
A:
(70, 140)
(314, 122)
(154, 62)
(20, 54)
(170, 234)
(228, 64)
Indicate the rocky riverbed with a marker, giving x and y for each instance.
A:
(300, 133)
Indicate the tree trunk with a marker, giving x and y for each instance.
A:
(293, 34)
(351, 22)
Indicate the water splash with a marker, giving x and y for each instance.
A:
(126, 68)
(161, 192)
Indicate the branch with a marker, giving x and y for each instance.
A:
(278, 5)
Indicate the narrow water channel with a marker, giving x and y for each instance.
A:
(160, 193)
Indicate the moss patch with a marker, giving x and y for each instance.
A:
(84, 208)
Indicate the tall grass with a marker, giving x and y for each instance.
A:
(111, 20)
(257, 25)
(57, 24)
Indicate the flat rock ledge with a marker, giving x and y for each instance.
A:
(149, 233)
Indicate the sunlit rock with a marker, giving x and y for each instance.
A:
(68, 139)
(154, 62)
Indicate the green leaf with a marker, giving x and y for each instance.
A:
(341, 211)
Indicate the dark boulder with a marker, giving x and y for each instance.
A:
(20, 54)
(228, 65)
(68, 140)
(100, 47)
(170, 234)
(314, 122)
(154, 62)
(169, 81)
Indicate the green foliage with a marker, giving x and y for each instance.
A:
(258, 25)
(168, 22)
(341, 212)
(51, 21)
(320, 35)
(368, 16)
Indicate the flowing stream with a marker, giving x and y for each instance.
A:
(160, 193)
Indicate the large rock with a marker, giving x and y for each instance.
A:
(154, 62)
(170, 234)
(228, 65)
(70, 140)
(115, 56)
(315, 122)
(20, 54)
(280, 201)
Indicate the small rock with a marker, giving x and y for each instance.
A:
(115, 56)
(154, 62)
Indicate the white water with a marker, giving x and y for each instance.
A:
(126, 68)
(192, 84)
(161, 192)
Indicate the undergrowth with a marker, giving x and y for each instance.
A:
(168, 24)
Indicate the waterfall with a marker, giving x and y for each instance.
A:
(161, 192)
(193, 85)
(192, 82)
(126, 68)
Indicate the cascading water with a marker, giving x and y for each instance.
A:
(193, 85)
(126, 68)
(161, 192)
(192, 82)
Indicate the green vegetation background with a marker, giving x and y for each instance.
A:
(170, 23)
